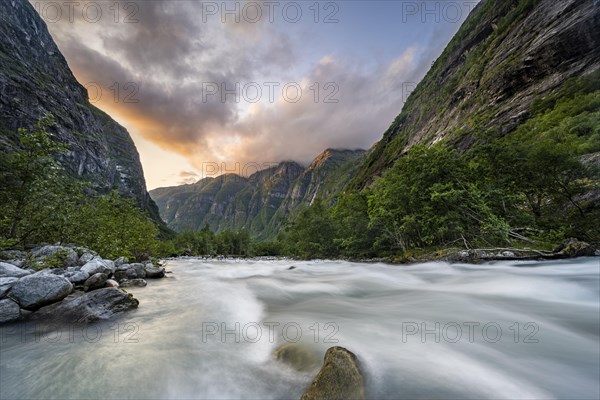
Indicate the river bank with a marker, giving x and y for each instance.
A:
(68, 284)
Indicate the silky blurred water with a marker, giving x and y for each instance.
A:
(502, 330)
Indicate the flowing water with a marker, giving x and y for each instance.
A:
(503, 330)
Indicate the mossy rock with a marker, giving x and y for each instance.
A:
(340, 378)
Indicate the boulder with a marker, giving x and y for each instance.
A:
(86, 258)
(37, 290)
(16, 263)
(6, 284)
(9, 270)
(575, 248)
(99, 266)
(111, 283)
(133, 283)
(120, 261)
(101, 304)
(96, 281)
(339, 378)
(52, 254)
(77, 276)
(154, 273)
(9, 311)
(130, 271)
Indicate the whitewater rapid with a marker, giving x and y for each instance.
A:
(208, 331)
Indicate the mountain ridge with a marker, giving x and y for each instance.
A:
(261, 202)
(506, 54)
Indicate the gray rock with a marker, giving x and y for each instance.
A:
(123, 267)
(86, 258)
(77, 276)
(16, 263)
(70, 256)
(133, 283)
(6, 284)
(7, 270)
(9, 311)
(339, 378)
(130, 271)
(101, 304)
(120, 261)
(112, 283)
(37, 290)
(154, 273)
(96, 281)
(575, 248)
(99, 266)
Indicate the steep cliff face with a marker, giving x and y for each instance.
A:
(261, 202)
(35, 79)
(507, 54)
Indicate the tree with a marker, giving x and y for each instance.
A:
(311, 234)
(32, 183)
(355, 236)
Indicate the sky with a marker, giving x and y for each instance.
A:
(211, 87)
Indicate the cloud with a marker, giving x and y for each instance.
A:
(171, 54)
(188, 177)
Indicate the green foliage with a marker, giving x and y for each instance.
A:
(207, 243)
(311, 234)
(355, 236)
(55, 260)
(511, 191)
(40, 204)
(268, 249)
(31, 184)
(113, 227)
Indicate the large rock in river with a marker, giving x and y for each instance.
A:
(37, 290)
(98, 305)
(133, 283)
(340, 378)
(9, 270)
(154, 273)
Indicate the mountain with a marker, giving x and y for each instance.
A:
(507, 58)
(35, 79)
(513, 65)
(260, 203)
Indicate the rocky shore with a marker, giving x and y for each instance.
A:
(68, 284)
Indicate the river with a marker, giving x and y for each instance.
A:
(514, 330)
